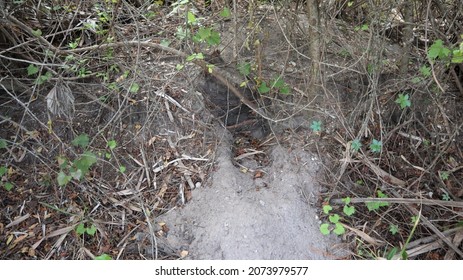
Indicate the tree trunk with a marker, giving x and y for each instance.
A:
(313, 16)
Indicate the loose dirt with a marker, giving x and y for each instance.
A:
(237, 217)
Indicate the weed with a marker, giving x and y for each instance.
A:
(103, 257)
(444, 175)
(446, 197)
(376, 146)
(334, 219)
(374, 205)
(316, 126)
(403, 101)
(356, 145)
(81, 229)
(78, 168)
(394, 229)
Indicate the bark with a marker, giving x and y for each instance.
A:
(313, 15)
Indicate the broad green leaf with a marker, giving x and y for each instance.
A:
(210, 68)
(191, 18)
(122, 168)
(204, 33)
(278, 82)
(334, 218)
(77, 174)
(63, 179)
(434, 50)
(104, 257)
(327, 209)
(376, 146)
(457, 56)
(3, 144)
(263, 88)
(134, 88)
(348, 210)
(37, 32)
(244, 68)
(81, 141)
(80, 229)
(214, 39)
(285, 89)
(112, 144)
(392, 253)
(91, 230)
(3, 170)
(346, 200)
(84, 163)
(8, 186)
(324, 229)
(225, 13)
(32, 69)
(339, 229)
(164, 43)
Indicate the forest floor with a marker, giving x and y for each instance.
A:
(147, 166)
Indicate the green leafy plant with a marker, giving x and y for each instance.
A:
(446, 197)
(263, 88)
(82, 229)
(103, 257)
(438, 51)
(376, 146)
(334, 225)
(78, 168)
(134, 87)
(244, 68)
(356, 145)
(444, 175)
(348, 209)
(195, 56)
(81, 140)
(32, 70)
(225, 13)
(207, 35)
(394, 229)
(363, 27)
(8, 186)
(403, 100)
(375, 205)
(316, 126)
(280, 85)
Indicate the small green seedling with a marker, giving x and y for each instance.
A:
(394, 229)
(334, 221)
(403, 101)
(347, 209)
(81, 141)
(82, 229)
(444, 175)
(374, 205)
(103, 257)
(8, 186)
(376, 146)
(263, 88)
(356, 145)
(316, 126)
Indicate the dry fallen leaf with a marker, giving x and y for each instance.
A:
(183, 254)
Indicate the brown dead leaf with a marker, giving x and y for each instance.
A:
(31, 252)
(258, 174)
